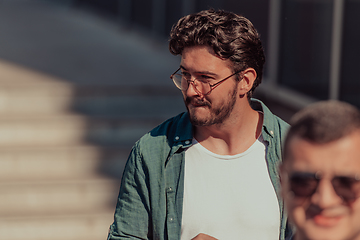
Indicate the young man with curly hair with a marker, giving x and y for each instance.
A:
(212, 172)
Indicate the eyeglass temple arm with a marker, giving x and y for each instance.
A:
(171, 76)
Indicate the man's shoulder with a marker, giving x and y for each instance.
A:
(269, 117)
(173, 129)
(281, 123)
(272, 123)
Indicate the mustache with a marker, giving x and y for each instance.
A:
(196, 101)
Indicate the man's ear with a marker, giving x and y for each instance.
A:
(249, 76)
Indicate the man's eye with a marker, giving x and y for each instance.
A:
(204, 78)
(186, 75)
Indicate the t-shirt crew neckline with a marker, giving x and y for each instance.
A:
(228, 157)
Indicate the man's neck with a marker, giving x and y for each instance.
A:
(233, 136)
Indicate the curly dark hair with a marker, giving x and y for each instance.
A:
(231, 36)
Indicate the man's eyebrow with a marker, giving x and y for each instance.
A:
(200, 72)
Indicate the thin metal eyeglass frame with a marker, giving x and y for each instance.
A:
(212, 86)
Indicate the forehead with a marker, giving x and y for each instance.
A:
(203, 57)
(338, 157)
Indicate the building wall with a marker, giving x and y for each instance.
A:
(313, 57)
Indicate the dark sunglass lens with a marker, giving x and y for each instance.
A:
(347, 188)
(303, 185)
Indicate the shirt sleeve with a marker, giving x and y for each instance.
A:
(132, 218)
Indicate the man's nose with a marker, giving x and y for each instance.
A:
(192, 90)
(325, 195)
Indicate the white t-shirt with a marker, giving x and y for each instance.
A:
(229, 197)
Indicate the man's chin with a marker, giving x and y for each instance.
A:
(195, 114)
(323, 233)
(318, 236)
(199, 122)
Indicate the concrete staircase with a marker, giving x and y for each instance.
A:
(63, 148)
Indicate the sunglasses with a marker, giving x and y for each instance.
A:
(304, 184)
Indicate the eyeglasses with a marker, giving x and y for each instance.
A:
(304, 184)
(201, 84)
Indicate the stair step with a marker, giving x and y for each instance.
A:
(29, 92)
(71, 130)
(135, 106)
(91, 226)
(57, 197)
(114, 100)
(67, 162)
(48, 99)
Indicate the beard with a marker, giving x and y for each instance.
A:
(216, 115)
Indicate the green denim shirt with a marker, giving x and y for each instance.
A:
(150, 201)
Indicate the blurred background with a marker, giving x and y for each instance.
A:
(82, 80)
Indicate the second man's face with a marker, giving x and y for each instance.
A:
(325, 213)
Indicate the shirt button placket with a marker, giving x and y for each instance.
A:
(170, 205)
